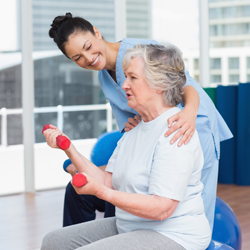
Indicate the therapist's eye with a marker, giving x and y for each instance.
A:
(77, 58)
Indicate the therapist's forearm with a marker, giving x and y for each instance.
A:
(191, 99)
(146, 206)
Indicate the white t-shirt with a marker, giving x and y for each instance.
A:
(145, 162)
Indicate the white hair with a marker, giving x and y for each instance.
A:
(164, 69)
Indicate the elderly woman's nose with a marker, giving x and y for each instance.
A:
(125, 85)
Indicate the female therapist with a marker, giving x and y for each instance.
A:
(84, 44)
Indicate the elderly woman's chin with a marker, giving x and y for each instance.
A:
(134, 105)
(131, 103)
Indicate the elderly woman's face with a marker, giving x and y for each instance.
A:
(138, 93)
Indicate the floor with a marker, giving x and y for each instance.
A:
(26, 218)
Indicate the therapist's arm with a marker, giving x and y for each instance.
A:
(185, 119)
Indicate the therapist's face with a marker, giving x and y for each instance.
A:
(139, 95)
(87, 50)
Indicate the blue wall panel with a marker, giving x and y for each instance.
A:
(226, 100)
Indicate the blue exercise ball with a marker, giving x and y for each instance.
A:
(226, 226)
(218, 246)
(104, 147)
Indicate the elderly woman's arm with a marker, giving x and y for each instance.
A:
(151, 207)
(81, 163)
(185, 120)
(84, 165)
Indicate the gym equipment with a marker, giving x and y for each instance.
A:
(218, 246)
(226, 226)
(79, 180)
(66, 164)
(104, 147)
(61, 141)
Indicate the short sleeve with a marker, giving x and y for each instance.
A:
(189, 80)
(172, 167)
(121, 117)
(112, 160)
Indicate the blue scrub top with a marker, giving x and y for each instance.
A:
(208, 119)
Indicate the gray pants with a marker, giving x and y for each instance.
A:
(102, 235)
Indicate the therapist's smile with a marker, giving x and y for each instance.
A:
(96, 61)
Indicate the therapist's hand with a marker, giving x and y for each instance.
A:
(132, 122)
(185, 122)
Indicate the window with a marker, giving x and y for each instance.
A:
(215, 63)
(248, 62)
(233, 63)
(246, 11)
(213, 30)
(215, 78)
(234, 78)
(11, 100)
(214, 13)
(229, 12)
(196, 63)
(196, 78)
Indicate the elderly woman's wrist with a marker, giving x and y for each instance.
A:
(104, 193)
(70, 151)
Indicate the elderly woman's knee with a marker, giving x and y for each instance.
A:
(49, 241)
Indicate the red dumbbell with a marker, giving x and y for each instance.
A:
(79, 180)
(61, 141)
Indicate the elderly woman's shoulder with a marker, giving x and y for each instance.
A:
(193, 143)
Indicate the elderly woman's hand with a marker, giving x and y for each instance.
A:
(92, 187)
(51, 134)
(185, 122)
(132, 122)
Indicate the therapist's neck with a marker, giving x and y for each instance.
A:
(111, 55)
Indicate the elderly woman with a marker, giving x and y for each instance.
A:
(154, 185)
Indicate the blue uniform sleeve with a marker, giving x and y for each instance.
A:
(121, 117)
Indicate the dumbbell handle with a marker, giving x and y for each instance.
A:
(79, 180)
(61, 141)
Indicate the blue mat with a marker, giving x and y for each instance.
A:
(243, 135)
(226, 100)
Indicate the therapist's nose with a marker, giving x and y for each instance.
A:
(88, 57)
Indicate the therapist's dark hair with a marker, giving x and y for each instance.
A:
(64, 26)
